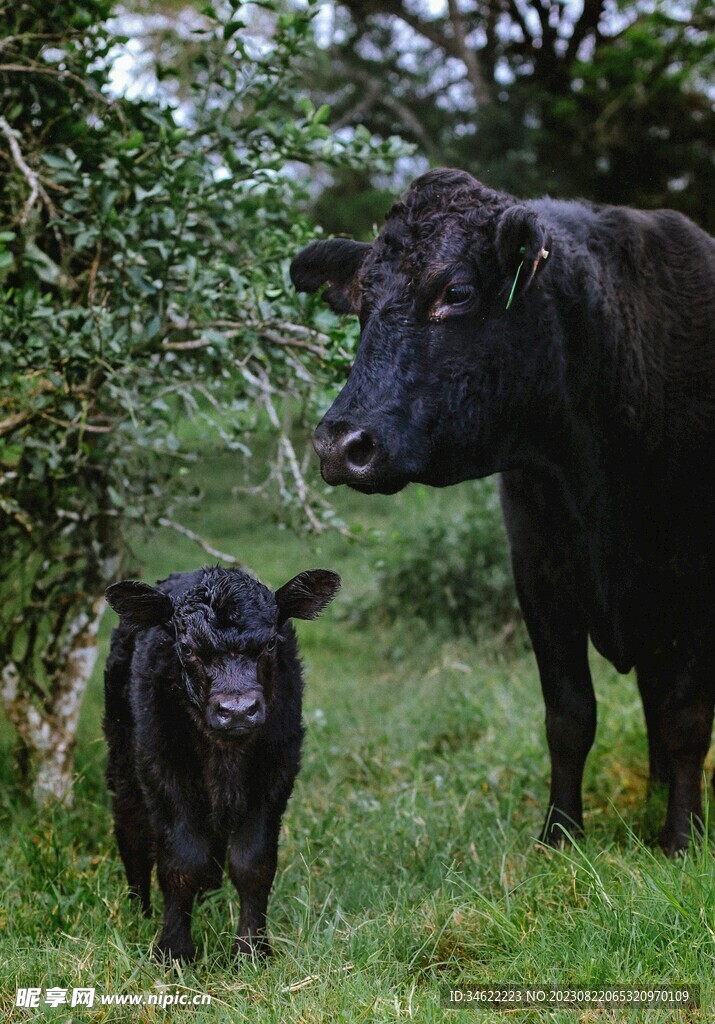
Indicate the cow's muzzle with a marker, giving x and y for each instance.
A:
(236, 713)
(346, 455)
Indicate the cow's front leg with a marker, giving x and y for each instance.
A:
(561, 647)
(570, 730)
(544, 572)
(252, 861)
(186, 865)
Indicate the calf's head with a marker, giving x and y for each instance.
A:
(226, 632)
(444, 380)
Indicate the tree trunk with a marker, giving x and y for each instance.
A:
(48, 734)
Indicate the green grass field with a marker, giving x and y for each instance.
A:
(408, 862)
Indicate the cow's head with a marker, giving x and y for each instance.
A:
(445, 381)
(227, 637)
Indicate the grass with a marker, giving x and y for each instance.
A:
(408, 862)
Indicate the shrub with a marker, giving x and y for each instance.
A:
(451, 572)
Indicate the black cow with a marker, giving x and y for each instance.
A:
(569, 347)
(203, 691)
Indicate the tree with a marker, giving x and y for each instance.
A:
(604, 99)
(143, 250)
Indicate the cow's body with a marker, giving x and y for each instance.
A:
(568, 347)
(203, 691)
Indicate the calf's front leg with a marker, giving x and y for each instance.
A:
(185, 866)
(252, 861)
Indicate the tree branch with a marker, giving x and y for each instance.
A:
(259, 379)
(586, 25)
(36, 188)
(169, 524)
(480, 87)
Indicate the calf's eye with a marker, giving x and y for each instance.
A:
(271, 645)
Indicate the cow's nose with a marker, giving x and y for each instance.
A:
(345, 454)
(228, 712)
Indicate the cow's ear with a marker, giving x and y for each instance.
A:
(139, 604)
(334, 262)
(307, 594)
(523, 249)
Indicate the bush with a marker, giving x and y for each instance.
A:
(452, 572)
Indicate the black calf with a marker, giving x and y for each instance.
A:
(203, 692)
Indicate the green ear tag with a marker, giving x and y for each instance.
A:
(522, 250)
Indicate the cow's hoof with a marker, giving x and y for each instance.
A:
(674, 843)
(558, 834)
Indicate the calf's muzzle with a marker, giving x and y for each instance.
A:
(236, 712)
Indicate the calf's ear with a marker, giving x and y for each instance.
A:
(139, 604)
(307, 594)
(334, 262)
(523, 249)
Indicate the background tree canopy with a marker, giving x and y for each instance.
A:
(607, 100)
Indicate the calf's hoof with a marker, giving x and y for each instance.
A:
(253, 945)
(166, 952)
(145, 903)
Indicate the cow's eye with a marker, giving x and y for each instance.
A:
(456, 294)
(271, 645)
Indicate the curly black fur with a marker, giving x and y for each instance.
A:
(193, 781)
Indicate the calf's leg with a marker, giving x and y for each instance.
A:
(252, 861)
(185, 866)
(133, 832)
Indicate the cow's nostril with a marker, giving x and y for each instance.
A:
(359, 449)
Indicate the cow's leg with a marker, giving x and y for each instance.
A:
(544, 575)
(560, 644)
(686, 719)
(185, 866)
(653, 678)
(570, 721)
(252, 861)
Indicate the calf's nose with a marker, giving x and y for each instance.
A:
(345, 454)
(228, 712)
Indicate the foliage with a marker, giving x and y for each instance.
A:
(452, 573)
(609, 101)
(143, 261)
